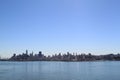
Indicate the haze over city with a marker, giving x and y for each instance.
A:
(54, 26)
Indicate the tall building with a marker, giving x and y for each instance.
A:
(26, 51)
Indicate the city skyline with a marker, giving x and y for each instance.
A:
(31, 56)
(53, 26)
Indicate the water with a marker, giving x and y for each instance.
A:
(106, 70)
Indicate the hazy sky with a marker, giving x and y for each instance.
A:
(54, 26)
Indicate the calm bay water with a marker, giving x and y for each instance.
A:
(106, 70)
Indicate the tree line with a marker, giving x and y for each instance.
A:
(63, 57)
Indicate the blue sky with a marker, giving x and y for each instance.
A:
(59, 26)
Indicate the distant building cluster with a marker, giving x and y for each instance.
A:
(63, 57)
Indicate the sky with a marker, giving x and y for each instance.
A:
(54, 26)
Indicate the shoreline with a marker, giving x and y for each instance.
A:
(62, 61)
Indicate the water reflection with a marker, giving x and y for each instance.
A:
(59, 70)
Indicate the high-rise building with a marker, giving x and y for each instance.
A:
(26, 51)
